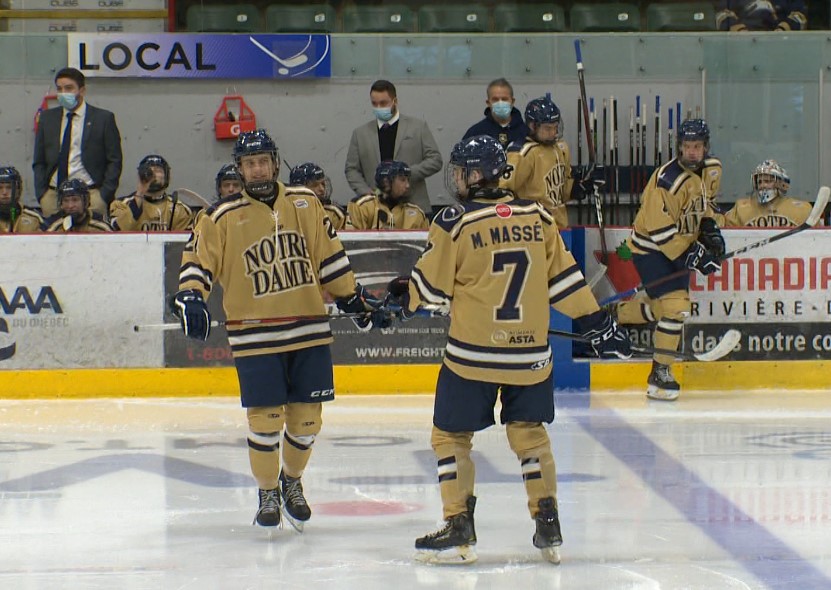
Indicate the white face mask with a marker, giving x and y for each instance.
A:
(68, 100)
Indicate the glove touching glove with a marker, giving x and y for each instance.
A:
(373, 314)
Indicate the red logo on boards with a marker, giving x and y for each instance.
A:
(504, 211)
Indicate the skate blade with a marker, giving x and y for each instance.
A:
(295, 524)
(451, 556)
(664, 395)
(551, 555)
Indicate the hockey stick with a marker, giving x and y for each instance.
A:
(727, 343)
(174, 199)
(194, 196)
(813, 219)
(257, 322)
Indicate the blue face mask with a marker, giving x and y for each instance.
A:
(501, 109)
(68, 100)
(383, 114)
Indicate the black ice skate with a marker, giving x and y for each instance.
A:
(268, 513)
(292, 502)
(453, 543)
(661, 385)
(548, 537)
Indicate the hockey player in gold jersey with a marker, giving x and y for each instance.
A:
(14, 217)
(768, 206)
(496, 264)
(314, 178)
(388, 207)
(227, 183)
(675, 228)
(542, 164)
(273, 250)
(74, 214)
(150, 208)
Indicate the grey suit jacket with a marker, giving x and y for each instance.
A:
(414, 144)
(100, 150)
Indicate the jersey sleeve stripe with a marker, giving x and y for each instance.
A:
(335, 266)
(565, 283)
(644, 243)
(193, 272)
(427, 292)
(663, 235)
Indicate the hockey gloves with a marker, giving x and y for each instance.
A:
(193, 314)
(700, 260)
(605, 336)
(398, 294)
(710, 236)
(371, 310)
(585, 182)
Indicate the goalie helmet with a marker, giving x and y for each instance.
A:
(775, 179)
(9, 175)
(693, 130)
(227, 172)
(145, 171)
(70, 188)
(313, 177)
(252, 143)
(481, 154)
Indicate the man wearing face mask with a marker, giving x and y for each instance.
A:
(76, 140)
(74, 214)
(392, 136)
(150, 208)
(502, 120)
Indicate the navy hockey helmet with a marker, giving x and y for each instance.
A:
(693, 130)
(227, 172)
(145, 170)
(540, 111)
(73, 187)
(481, 153)
(305, 173)
(389, 170)
(10, 175)
(251, 143)
(775, 178)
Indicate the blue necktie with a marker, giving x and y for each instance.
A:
(63, 156)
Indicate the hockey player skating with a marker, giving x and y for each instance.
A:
(272, 248)
(674, 229)
(768, 206)
(497, 264)
(314, 178)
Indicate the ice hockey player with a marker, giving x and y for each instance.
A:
(314, 178)
(74, 214)
(150, 208)
(273, 250)
(675, 229)
(768, 206)
(14, 217)
(227, 183)
(497, 264)
(388, 207)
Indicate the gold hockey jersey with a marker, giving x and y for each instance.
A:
(781, 212)
(153, 215)
(498, 265)
(541, 173)
(271, 263)
(369, 212)
(94, 223)
(28, 221)
(674, 202)
(337, 216)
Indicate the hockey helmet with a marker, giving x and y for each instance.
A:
(389, 170)
(312, 176)
(251, 143)
(693, 130)
(9, 175)
(540, 111)
(481, 153)
(145, 171)
(227, 172)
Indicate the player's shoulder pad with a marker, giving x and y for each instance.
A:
(97, 221)
(53, 223)
(32, 213)
(302, 198)
(362, 199)
(520, 146)
(448, 217)
(711, 160)
(669, 174)
(224, 205)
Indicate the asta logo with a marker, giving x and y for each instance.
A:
(22, 299)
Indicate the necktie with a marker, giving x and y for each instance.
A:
(63, 156)
(385, 126)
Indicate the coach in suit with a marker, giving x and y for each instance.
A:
(392, 136)
(76, 140)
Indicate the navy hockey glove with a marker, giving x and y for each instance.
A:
(361, 302)
(585, 182)
(606, 338)
(193, 314)
(398, 294)
(700, 260)
(710, 236)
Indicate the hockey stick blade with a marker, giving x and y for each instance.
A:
(727, 343)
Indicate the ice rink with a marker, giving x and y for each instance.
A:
(716, 491)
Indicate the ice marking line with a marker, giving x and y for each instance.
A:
(773, 559)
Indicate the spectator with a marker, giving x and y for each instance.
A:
(761, 15)
(388, 207)
(74, 214)
(502, 121)
(150, 208)
(314, 178)
(14, 217)
(88, 149)
(768, 206)
(392, 136)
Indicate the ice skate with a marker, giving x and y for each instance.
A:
(661, 385)
(293, 504)
(268, 514)
(547, 537)
(453, 543)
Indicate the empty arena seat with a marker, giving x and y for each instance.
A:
(223, 18)
(389, 18)
(453, 18)
(529, 18)
(308, 18)
(616, 17)
(681, 16)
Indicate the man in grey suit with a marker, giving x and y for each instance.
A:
(76, 140)
(392, 136)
